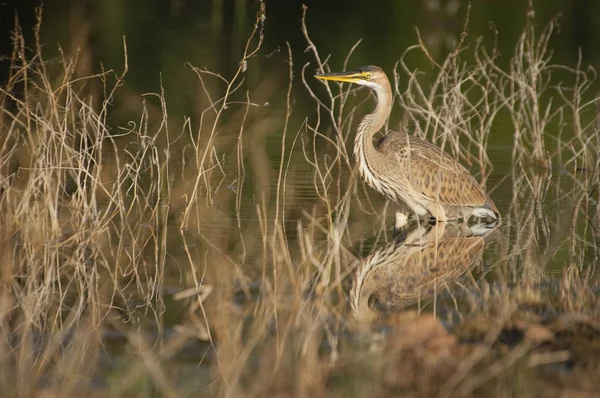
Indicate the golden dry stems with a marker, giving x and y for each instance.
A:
(117, 229)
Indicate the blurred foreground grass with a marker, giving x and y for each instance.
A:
(159, 257)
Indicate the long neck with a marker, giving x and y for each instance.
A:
(364, 150)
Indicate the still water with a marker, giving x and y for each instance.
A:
(242, 211)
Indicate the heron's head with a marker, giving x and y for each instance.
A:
(370, 76)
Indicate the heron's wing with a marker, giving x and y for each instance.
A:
(439, 177)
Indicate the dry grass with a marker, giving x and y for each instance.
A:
(174, 258)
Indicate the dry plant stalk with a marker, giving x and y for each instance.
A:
(96, 221)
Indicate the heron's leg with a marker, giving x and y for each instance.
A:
(438, 230)
(437, 211)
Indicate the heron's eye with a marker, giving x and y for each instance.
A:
(368, 75)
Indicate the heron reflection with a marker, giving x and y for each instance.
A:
(421, 259)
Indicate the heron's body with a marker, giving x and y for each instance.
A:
(409, 170)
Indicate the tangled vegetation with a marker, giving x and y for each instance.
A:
(181, 258)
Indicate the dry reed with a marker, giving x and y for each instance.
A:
(187, 238)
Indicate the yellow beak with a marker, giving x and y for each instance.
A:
(348, 77)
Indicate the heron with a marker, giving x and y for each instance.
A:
(411, 171)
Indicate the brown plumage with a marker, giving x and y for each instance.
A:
(409, 170)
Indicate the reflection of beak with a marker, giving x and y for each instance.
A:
(348, 77)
